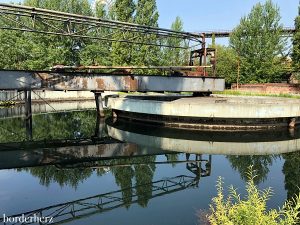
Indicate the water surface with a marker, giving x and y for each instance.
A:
(83, 170)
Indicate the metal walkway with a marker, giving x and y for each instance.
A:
(58, 81)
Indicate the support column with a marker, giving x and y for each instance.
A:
(28, 114)
(99, 104)
(292, 123)
(100, 129)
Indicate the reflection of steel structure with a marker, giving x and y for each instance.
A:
(29, 19)
(196, 166)
(77, 209)
(85, 207)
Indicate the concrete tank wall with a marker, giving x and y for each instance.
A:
(47, 95)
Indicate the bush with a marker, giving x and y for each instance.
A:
(252, 209)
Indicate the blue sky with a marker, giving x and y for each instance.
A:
(202, 15)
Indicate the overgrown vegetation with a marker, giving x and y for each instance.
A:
(251, 210)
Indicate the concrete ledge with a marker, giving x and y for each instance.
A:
(212, 107)
(211, 112)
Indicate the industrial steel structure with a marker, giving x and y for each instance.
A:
(29, 19)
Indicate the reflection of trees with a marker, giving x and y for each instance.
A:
(291, 170)
(140, 168)
(260, 164)
(143, 174)
(12, 130)
(64, 177)
(124, 176)
(50, 126)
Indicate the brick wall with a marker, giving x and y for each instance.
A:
(269, 88)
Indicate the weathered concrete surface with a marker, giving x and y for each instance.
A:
(205, 147)
(24, 80)
(212, 107)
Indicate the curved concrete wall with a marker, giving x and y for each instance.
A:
(212, 107)
(206, 147)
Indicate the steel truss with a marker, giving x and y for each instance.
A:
(29, 19)
(286, 31)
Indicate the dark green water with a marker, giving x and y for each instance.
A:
(84, 171)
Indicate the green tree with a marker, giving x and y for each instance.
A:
(296, 44)
(39, 51)
(97, 52)
(121, 54)
(146, 14)
(227, 63)
(258, 43)
(174, 56)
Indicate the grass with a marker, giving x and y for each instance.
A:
(239, 93)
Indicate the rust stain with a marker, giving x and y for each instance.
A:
(100, 84)
(84, 83)
(131, 84)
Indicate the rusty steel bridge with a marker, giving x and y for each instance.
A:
(198, 77)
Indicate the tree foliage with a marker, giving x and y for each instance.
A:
(227, 63)
(146, 14)
(258, 43)
(22, 50)
(296, 44)
(174, 56)
(121, 53)
(235, 210)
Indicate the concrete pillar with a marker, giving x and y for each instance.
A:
(99, 104)
(292, 123)
(100, 128)
(28, 114)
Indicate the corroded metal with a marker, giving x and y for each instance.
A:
(33, 80)
(286, 31)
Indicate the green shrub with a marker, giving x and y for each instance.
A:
(252, 209)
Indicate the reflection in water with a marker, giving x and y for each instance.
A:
(70, 148)
(206, 142)
(139, 192)
(64, 125)
(260, 164)
(291, 170)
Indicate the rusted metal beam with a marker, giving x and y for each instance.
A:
(57, 81)
(286, 31)
(61, 67)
